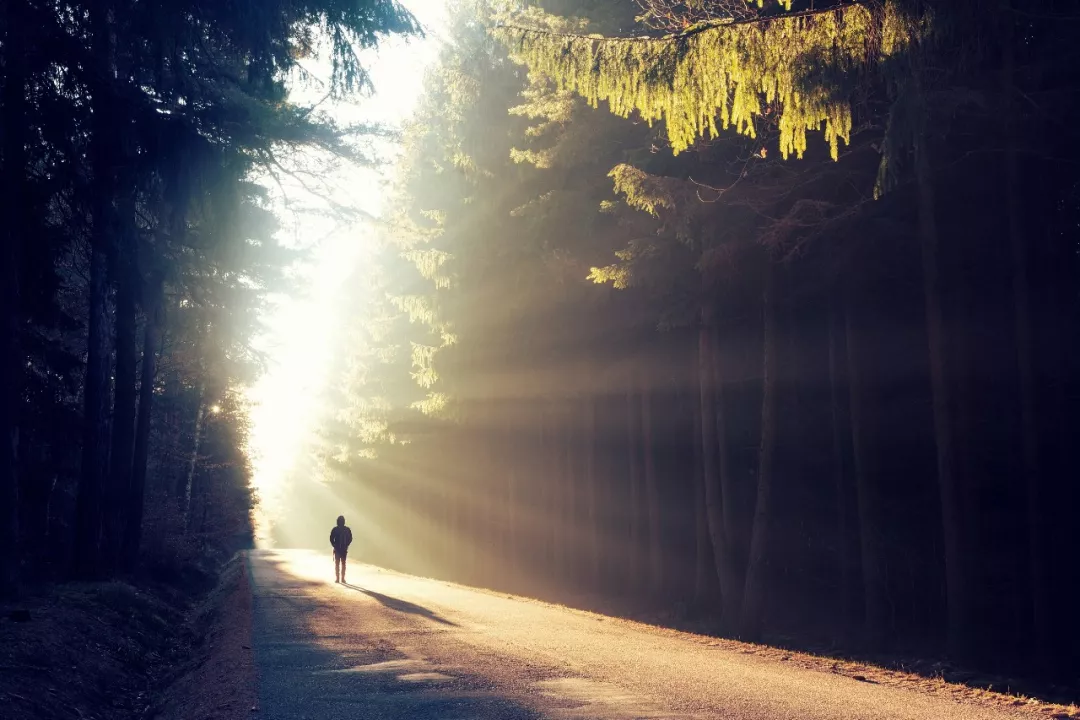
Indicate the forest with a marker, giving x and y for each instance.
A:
(764, 313)
(141, 146)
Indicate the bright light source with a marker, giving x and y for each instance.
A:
(215, 409)
(302, 328)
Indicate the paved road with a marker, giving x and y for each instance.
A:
(391, 646)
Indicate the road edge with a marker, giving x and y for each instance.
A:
(223, 683)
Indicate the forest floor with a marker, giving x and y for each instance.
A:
(118, 651)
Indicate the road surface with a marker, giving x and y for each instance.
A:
(391, 646)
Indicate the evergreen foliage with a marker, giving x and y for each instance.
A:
(802, 69)
(142, 258)
(704, 375)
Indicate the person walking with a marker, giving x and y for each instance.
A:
(340, 539)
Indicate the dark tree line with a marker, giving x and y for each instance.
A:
(818, 384)
(137, 242)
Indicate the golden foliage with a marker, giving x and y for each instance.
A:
(423, 357)
(619, 276)
(431, 264)
(642, 190)
(434, 404)
(802, 68)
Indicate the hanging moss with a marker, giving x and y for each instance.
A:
(802, 68)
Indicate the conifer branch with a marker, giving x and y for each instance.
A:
(701, 84)
(689, 32)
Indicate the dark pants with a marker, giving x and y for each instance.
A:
(339, 565)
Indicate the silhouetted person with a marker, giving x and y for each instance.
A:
(340, 539)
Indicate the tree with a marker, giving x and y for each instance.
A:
(106, 152)
(125, 113)
(540, 254)
(12, 123)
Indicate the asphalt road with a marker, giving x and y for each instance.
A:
(391, 646)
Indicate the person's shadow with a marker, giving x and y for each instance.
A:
(401, 605)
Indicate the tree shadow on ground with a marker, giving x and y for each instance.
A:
(401, 605)
(302, 674)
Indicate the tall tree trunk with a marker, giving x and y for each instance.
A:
(1029, 426)
(652, 493)
(840, 484)
(734, 576)
(592, 494)
(512, 553)
(866, 492)
(952, 501)
(568, 550)
(118, 487)
(105, 150)
(550, 529)
(540, 533)
(13, 129)
(184, 494)
(756, 572)
(633, 445)
(479, 491)
(155, 309)
(714, 508)
(704, 570)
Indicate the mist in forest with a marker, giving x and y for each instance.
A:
(765, 319)
(781, 377)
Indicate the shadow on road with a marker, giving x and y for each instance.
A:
(310, 667)
(401, 605)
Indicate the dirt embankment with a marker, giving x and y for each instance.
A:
(221, 684)
(114, 651)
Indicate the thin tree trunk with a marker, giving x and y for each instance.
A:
(592, 480)
(714, 509)
(513, 531)
(952, 511)
(844, 555)
(480, 493)
(541, 533)
(558, 501)
(568, 532)
(118, 487)
(466, 515)
(1029, 426)
(652, 493)
(734, 573)
(866, 492)
(756, 572)
(49, 497)
(206, 501)
(193, 459)
(549, 531)
(449, 546)
(88, 513)
(704, 571)
(137, 488)
(13, 129)
(633, 439)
